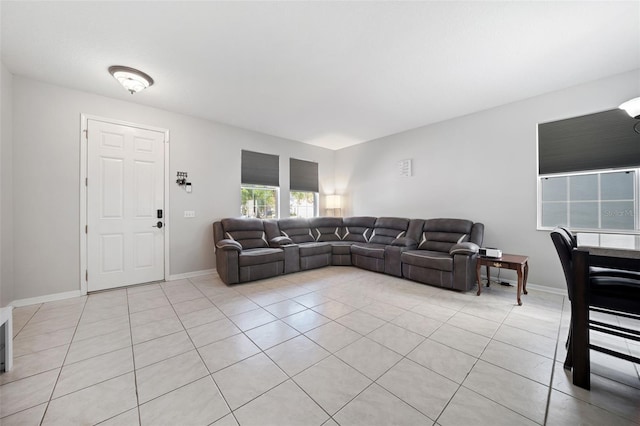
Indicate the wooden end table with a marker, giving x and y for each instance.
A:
(507, 261)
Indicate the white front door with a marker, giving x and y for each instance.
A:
(125, 205)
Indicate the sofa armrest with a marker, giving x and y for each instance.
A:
(406, 242)
(227, 264)
(464, 248)
(227, 244)
(277, 242)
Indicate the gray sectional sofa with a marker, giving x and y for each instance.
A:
(440, 252)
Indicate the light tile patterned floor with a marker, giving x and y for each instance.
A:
(332, 346)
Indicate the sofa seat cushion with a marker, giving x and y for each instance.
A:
(428, 259)
(341, 247)
(368, 250)
(312, 249)
(259, 256)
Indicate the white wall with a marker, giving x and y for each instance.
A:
(46, 163)
(480, 167)
(6, 213)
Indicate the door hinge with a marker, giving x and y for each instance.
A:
(86, 134)
(86, 229)
(86, 181)
(86, 275)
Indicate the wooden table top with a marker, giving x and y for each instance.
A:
(510, 258)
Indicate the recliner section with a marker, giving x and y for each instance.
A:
(446, 253)
(311, 253)
(340, 234)
(243, 252)
(440, 252)
(381, 253)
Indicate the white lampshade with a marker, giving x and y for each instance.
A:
(132, 79)
(333, 201)
(632, 107)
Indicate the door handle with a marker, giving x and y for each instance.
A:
(157, 225)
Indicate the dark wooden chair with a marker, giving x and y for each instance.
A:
(608, 290)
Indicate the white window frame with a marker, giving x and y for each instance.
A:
(316, 198)
(263, 187)
(636, 184)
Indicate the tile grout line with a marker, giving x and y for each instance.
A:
(314, 364)
(84, 306)
(173, 356)
(553, 367)
(133, 360)
(27, 321)
(460, 385)
(291, 378)
(324, 291)
(105, 353)
(210, 375)
(403, 357)
(385, 322)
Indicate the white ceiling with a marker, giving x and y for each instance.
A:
(331, 74)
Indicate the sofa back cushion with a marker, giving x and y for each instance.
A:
(297, 229)
(358, 228)
(442, 234)
(387, 229)
(248, 232)
(326, 228)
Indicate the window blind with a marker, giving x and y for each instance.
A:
(303, 175)
(260, 169)
(604, 140)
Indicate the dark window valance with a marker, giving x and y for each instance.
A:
(604, 140)
(303, 175)
(260, 169)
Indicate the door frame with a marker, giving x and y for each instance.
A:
(84, 159)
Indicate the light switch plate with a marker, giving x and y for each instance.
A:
(189, 213)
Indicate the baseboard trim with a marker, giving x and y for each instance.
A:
(537, 287)
(46, 298)
(76, 293)
(547, 289)
(191, 274)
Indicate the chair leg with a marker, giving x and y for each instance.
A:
(568, 361)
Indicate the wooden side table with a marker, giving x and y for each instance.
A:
(507, 261)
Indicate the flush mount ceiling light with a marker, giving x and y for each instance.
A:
(632, 107)
(132, 79)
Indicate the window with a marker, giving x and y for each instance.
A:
(260, 185)
(259, 202)
(589, 173)
(303, 185)
(603, 201)
(303, 204)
